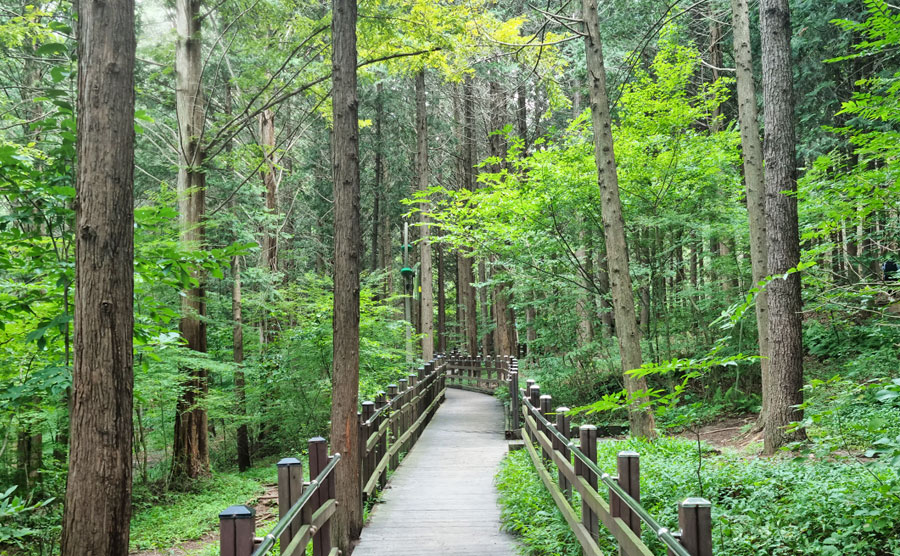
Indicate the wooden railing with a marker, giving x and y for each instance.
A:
(388, 426)
(482, 374)
(553, 443)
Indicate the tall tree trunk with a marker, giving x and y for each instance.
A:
(606, 308)
(425, 271)
(191, 442)
(29, 456)
(782, 229)
(237, 331)
(442, 301)
(98, 492)
(345, 371)
(379, 173)
(466, 272)
(715, 60)
(270, 181)
(522, 116)
(642, 423)
(754, 180)
(486, 343)
(583, 304)
(504, 337)
(237, 339)
(387, 253)
(270, 198)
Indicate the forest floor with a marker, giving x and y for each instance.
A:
(266, 507)
(734, 432)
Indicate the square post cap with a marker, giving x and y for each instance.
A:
(237, 512)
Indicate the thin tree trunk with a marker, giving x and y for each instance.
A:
(606, 308)
(522, 116)
(191, 442)
(237, 339)
(782, 230)
(98, 493)
(466, 272)
(269, 178)
(485, 311)
(442, 300)
(754, 179)
(379, 173)
(425, 271)
(583, 304)
(237, 331)
(642, 422)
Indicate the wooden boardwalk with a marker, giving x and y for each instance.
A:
(442, 499)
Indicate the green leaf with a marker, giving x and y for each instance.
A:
(51, 49)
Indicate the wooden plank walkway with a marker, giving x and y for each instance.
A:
(442, 499)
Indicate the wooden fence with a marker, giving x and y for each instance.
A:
(388, 426)
(481, 374)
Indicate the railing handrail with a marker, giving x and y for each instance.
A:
(662, 533)
(269, 540)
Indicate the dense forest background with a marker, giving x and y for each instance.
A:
(479, 207)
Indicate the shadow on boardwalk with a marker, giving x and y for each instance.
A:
(442, 499)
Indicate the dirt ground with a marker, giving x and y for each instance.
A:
(732, 432)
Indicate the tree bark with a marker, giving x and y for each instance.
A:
(442, 300)
(379, 173)
(98, 493)
(191, 441)
(486, 343)
(347, 522)
(422, 173)
(466, 272)
(237, 331)
(237, 338)
(641, 420)
(754, 180)
(270, 181)
(583, 304)
(606, 308)
(782, 229)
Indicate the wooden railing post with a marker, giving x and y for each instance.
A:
(534, 396)
(290, 487)
(395, 423)
(545, 401)
(237, 527)
(628, 466)
(318, 459)
(514, 407)
(588, 447)
(413, 408)
(403, 410)
(695, 521)
(368, 456)
(563, 424)
(381, 401)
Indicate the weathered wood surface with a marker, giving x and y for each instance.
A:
(442, 499)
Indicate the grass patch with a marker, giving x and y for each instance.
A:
(529, 512)
(760, 506)
(184, 516)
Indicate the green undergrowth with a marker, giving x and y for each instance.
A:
(761, 506)
(162, 522)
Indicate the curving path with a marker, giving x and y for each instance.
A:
(442, 500)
